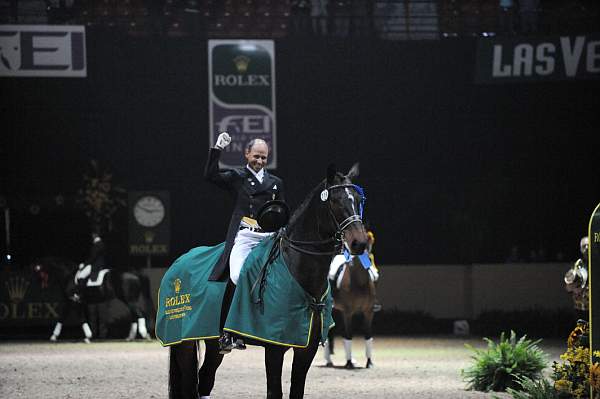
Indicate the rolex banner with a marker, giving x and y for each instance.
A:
(242, 96)
(28, 301)
(594, 281)
(525, 58)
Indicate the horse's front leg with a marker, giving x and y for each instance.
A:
(206, 374)
(183, 366)
(348, 339)
(274, 364)
(367, 325)
(302, 360)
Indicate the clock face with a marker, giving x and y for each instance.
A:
(149, 211)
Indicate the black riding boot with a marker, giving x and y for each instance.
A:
(227, 342)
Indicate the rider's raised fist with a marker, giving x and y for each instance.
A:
(223, 140)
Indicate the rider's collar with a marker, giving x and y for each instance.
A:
(259, 175)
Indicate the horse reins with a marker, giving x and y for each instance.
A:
(296, 245)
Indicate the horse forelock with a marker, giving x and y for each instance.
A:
(339, 178)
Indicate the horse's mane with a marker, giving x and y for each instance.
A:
(302, 207)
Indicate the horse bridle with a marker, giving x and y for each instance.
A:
(340, 227)
(297, 245)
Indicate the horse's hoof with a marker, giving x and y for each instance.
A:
(86, 340)
(349, 365)
(53, 338)
(239, 345)
(370, 364)
(329, 364)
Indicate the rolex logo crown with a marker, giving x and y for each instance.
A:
(241, 63)
(149, 236)
(177, 284)
(17, 288)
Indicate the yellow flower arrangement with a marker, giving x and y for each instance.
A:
(100, 198)
(563, 386)
(595, 376)
(576, 335)
(574, 377)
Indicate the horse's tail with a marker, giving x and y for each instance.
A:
(183, 370)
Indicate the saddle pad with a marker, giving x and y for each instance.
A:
(285, 316)
(189, 306)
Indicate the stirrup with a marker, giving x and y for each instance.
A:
(226, 343)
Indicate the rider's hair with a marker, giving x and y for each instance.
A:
(252, 142)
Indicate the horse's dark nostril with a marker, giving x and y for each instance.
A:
(358, 246)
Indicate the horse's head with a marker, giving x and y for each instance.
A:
(52, 267)
(345, 202)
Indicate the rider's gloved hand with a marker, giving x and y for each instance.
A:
(223, 141)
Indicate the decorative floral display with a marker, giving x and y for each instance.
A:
(576, 374)
(100, 198)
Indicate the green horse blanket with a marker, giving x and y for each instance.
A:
(280, 312)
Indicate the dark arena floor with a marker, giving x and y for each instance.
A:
(405, 367)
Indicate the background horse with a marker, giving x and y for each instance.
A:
(356, 296)
(314, 234)
(130, 288)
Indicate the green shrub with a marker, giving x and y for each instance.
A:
(503, 364)
(530, 389)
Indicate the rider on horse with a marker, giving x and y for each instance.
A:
(93, 264)
(251, 187)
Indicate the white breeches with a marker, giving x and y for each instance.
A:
(245, 240)
(82, 272)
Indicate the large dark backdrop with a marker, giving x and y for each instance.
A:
(453, 171)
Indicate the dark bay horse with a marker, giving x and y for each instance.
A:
(331, 214)
(100, 288)
(356, 296)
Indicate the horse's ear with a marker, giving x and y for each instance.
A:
(331, 171)
(353, 172)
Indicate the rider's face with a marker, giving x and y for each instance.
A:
(257, 156)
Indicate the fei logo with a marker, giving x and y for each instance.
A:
(42, 51)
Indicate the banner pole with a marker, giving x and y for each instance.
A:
(7, 231)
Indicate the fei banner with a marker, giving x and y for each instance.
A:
(42, 51)
(522, 59)
(241, 76)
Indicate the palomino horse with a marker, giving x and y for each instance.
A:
(108, 284)
(330, 215)
(356, 295)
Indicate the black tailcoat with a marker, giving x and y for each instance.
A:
(96, 258)
(248, 195)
